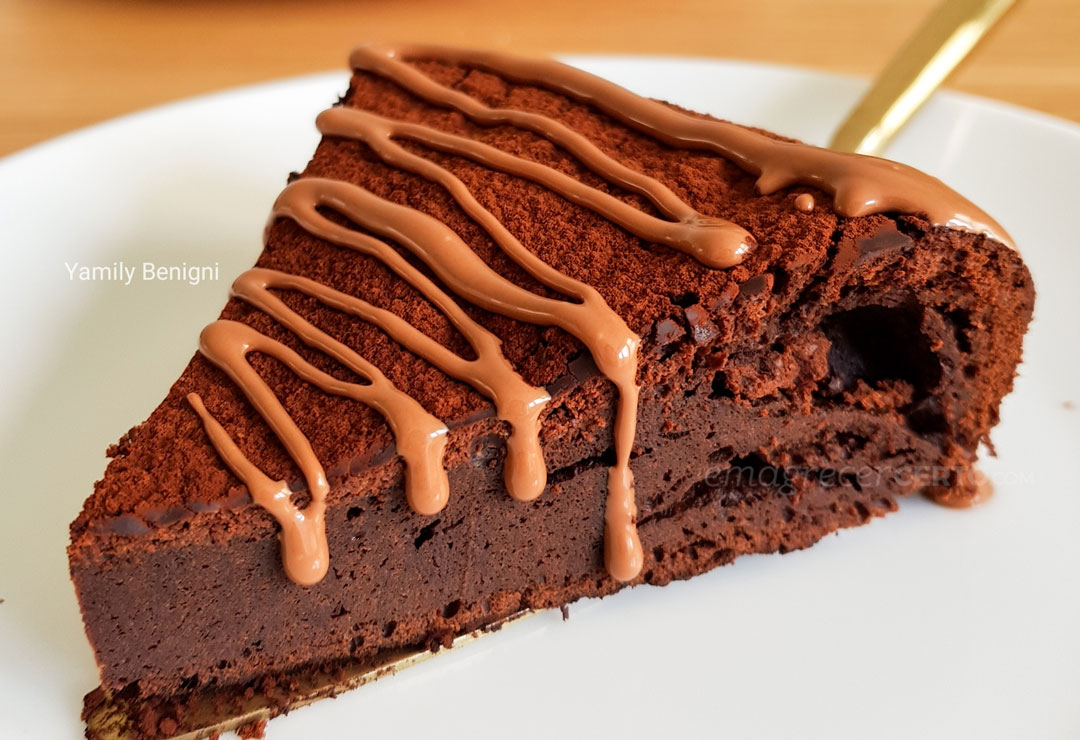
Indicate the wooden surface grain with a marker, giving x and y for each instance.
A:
(68, 63)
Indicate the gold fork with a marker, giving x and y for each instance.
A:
(925, 61)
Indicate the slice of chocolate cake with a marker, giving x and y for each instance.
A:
(519, 336)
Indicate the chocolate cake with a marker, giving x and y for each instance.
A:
(518, 337)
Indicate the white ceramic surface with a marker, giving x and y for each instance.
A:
(930, 623)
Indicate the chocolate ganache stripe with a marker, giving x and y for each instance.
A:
(860, 185)
(420, 437)
(304, 551)
(712, 241)
(612, 345)
(516, 402)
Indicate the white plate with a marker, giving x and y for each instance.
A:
(929, 623)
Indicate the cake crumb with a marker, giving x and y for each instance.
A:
(1067, 405)
(252, 730)
(565, 611)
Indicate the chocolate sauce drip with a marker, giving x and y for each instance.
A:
(421, 438)
(516, 402)
(859, 185)
(587, 317)
(712, 241)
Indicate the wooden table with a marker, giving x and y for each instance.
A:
(69, 63)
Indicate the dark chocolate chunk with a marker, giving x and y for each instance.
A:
(702, 328)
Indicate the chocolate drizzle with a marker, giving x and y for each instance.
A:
(587, 317)
(712, 241)
(860, 185)
(516, 401)
(421, 438)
